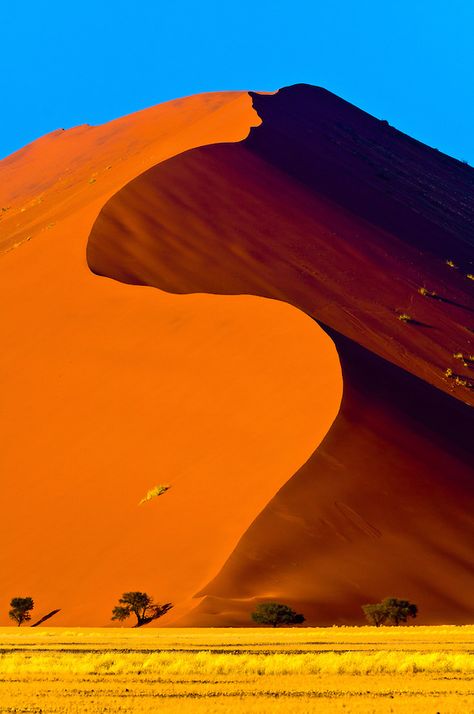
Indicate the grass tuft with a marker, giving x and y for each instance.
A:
(154, 493)
(427, 293)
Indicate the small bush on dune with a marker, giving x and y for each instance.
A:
(427, 293)
(467, 360)
(154, 492)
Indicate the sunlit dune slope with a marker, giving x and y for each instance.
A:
(109, 390)
(78, 169)
(275, 215)
(356, 224)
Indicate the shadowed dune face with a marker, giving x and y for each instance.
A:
(330, 210)
(332, 225)
(109, 390)
(383, 506)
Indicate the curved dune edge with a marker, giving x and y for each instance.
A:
(384, 504)
(109, 390)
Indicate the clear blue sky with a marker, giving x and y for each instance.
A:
(70, 62)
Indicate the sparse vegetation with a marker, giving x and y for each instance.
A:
(21, 608)
(404, 317)
(461, 381)
(467, 360)
(470, 276)
(246, 671)
(141, 605)
(458, 379)
(391, 610)
(427, 293)
(375, 614)
(155, 492)
(451, 264)
(276, 614)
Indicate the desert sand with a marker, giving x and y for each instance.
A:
(174, 319)
(109, 390)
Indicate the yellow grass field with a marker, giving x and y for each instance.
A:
(338, 669)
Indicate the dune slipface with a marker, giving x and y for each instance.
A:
(110, 390)
(370, 233)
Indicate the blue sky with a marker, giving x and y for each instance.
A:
(69, 62)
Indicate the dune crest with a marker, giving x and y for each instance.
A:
(368, 232)
(109, 390)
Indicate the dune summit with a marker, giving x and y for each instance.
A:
(234, 241)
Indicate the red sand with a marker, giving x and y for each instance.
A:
(344, 217)
(109, 389)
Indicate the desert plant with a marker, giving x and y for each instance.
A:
(405, 318)
(390, 610)
(154, 492)
(427, 293)
(462, 381)
(451, 263)
(275, 614)
(399, 610)
(467, 360)
(141, 605)
(459, 379)
(376, 614)
(21, 608)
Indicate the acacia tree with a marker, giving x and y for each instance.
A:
(141, 605)
(21, 608)
(400, 610)
(375, 614)
(390, 610)
(275, 614)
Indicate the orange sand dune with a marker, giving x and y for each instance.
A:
(114, 386)
(252, 217)
(342, 216)
(109, 390)
(383, 506)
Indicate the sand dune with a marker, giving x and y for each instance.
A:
(342, 216)
(244, 238)
(109, 390)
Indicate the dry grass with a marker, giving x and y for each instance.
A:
(154, 493)
(422, 669)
